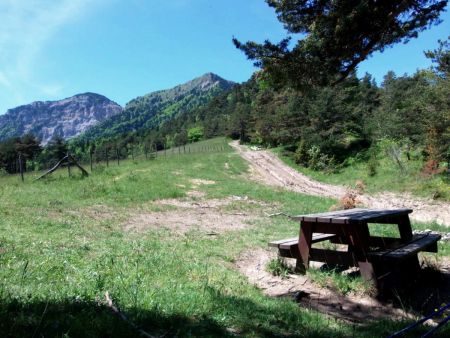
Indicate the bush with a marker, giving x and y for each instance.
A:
(195, 134)
(301, 156)
(320, 161)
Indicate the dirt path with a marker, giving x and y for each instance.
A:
(357, 307)
(269, 169)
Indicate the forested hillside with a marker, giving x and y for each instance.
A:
(324, 126)
(150, 111)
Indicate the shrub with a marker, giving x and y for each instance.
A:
(301, 156)
(320, 161)
(195, 134)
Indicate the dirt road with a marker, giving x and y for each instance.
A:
(269, 169)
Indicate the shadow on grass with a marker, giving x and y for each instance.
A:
(89, 319)
(238, 317)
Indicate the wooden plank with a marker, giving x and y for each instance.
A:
(277, 243)
(289, 245)
(320, 237)
(384, 242)
(286, 243)
(322, 255)
(332, 257)
(425, 243)
(355, 215)
(327, 215)
(374, 216)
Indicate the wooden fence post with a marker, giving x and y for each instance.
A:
(118, 157)
(21, 166)
(107, 157)
(68, 164)
(90, 158)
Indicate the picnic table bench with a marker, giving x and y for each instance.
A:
(376, 256)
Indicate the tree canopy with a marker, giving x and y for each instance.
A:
(336, 36)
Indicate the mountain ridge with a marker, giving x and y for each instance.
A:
(91, 115)
(152, 109)
(67, 117)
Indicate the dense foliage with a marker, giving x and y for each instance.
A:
(336, 36)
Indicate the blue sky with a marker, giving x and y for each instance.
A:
(126, 48)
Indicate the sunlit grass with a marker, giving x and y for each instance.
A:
(62, 246)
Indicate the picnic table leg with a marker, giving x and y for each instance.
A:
(359, 241)
(404, 227)
(304, 245)
(411, 265)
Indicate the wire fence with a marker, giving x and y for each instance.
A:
(114, 156)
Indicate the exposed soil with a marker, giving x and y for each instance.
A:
(213, 216)
(267, 168)
(300, 288)
(357, 308)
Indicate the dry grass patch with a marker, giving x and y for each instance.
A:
(213, 216)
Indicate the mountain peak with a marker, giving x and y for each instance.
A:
(67, 117)
(205, 82)
(153, 109)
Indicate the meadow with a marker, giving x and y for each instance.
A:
(66, 241)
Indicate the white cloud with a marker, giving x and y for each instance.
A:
(26, 26)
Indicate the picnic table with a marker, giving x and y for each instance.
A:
(376, 256)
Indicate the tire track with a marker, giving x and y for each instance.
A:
(267, 168)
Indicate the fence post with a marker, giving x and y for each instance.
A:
(68, 164)
(107, 157)
(90, 158)
(118, 157)
(21, 166)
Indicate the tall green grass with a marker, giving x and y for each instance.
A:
(62, 246)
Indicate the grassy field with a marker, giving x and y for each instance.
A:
(63, 244)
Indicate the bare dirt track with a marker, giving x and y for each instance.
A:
(267, 168)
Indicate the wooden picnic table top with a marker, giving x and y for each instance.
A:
(353, 216)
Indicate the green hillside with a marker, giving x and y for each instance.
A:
(151, 110)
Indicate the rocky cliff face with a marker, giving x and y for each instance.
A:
(67, 118)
